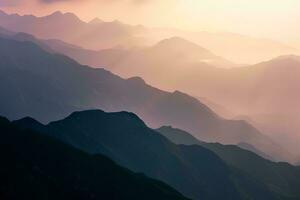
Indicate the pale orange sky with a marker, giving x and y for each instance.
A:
(277, 19)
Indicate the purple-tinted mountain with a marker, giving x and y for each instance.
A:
(98, 34)
(48, 86)
(68, 27)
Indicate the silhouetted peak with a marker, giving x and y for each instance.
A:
(71, 15)
(96, 21)
(117, 22)
(166, 127)
(136, 80)
(56, 14)
(182, 45)
(130, 115)
(183, 97)
(28, 123)
(3, 120)
(27, 120)
(174, 41)
(59, 15)
(86, 112)
(179, 94)
(91, 115)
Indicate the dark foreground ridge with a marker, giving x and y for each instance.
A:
(196, 171)
(37, 167)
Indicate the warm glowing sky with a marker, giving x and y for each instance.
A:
(264, 18)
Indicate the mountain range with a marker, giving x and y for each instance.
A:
(195, 170)
(185, 51)
(107, 110)
(68, 27)
(98, 34)
(273, 107)
(36, 166)
(48, 86)
(238, 48)
(197, 71)
(277, 176)
(133, 145)
(264, 93)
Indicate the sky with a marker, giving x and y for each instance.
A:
(275, 19)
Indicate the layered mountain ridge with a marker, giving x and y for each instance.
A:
(100, 35)
(48, 86)
(36, 166)
(196, 170)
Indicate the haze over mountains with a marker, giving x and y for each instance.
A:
(265, 91)
(195, 70)
(49, 86)
(98, 35)
(70, 28)
(107, 110)
(272, 107)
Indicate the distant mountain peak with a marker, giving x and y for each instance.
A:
(184, 47)
(178, 93)
(29, 123)
(56, 13)
(175, 40)
(281, 63)
(27, 120)
(86, 112)
(96, 21)
(137, 80)
(71, 15)
(116, 22)
(97, 115)
(60, 15)
(288, 57)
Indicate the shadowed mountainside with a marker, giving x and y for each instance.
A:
(279, 177)
(36, 166)
(193, 170)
